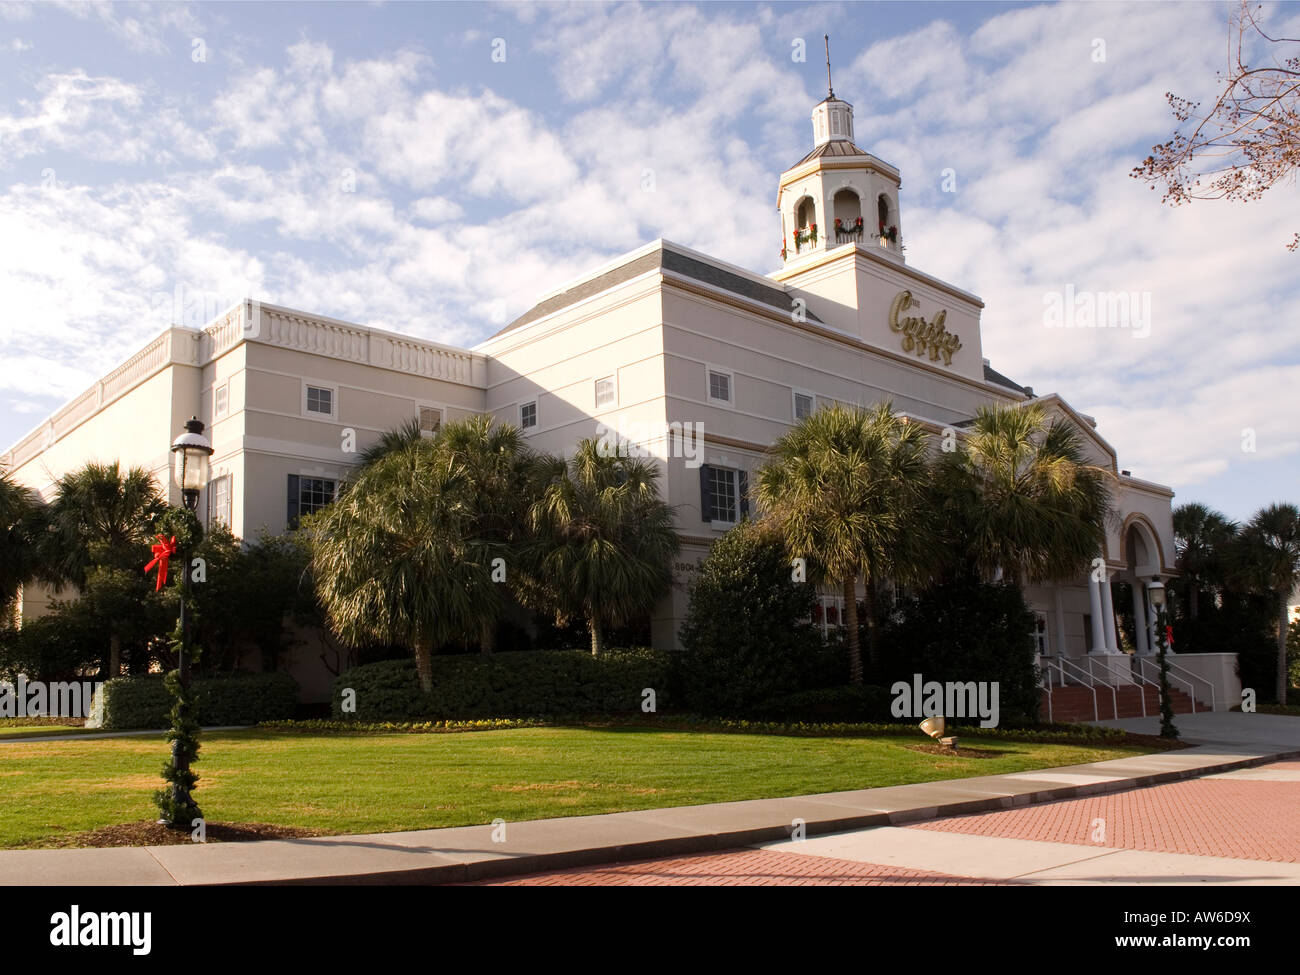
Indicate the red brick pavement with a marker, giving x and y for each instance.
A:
(748, 868)
(1242, 818)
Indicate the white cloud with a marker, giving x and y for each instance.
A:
(464, 203)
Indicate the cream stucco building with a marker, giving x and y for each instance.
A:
(661, 343)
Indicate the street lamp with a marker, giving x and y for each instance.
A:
(190, 454)
(1156, 593)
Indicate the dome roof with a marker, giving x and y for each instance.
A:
(835, 147)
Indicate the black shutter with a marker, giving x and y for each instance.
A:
(743, 476)
(293, 501)
(706, 493)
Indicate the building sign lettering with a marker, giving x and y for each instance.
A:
(921, 336)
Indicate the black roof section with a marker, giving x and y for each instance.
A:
(991, 375)
(664, 259)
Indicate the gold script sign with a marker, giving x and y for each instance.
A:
(920, 336)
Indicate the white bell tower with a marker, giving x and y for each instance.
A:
(838, 194)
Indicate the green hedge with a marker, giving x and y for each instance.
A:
(847, 703)
(508, 685)
(143, 702)
(1055, 733)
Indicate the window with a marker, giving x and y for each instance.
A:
(1041, 645)
(805, 213)
(606, 391)
(219, 501)
(308, 494)
(723, 494)
(528, 415)
(221, 400)
(320, 399)
(804, 404)
(314, 494)
(827, 614)
(430, 420)
(719, 386)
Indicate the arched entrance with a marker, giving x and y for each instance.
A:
(1142, 555)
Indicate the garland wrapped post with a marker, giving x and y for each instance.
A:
(1165, 639)
(175, 801)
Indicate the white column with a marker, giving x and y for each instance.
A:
(1108, 610)
(1141, 629)
(1095, 611)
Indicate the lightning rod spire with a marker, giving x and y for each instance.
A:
(829, 87)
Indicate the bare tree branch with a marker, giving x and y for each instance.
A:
(1248, 141)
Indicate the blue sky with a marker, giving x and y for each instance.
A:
(376, 163)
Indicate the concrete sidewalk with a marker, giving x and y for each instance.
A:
(1221, 727)
(470, 853)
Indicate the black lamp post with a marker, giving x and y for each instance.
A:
(1156, 593)
(190, 454)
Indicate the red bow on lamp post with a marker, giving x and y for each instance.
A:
(163, 550)
(1169, 636)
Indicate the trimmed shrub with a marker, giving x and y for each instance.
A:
(744, 642)
(847, 703)
(966, 630)
(507, 685)
(59, 646)
(684, 722)
(143, 702)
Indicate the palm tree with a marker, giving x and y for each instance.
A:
(1201, 536)
(102, 522)
(1022, 498)
(602, 540)
(1270, 547)
(499, 469)
(398, 557)
(390, 441)
(847, 488)
(21, 517)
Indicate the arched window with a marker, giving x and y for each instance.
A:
(806, 231)
(882, 210)
(805, 213)
(848, 216)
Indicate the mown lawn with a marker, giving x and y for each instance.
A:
(378, 783)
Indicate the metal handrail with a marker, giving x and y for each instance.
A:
(1141, 677)
(1045, 683)
(1147, 681)
(1092, 679)
(1059, 663)
(1143, 658)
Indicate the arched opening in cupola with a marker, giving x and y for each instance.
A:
(805, 222)
(848, 216)
(886, 219)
